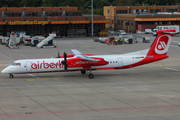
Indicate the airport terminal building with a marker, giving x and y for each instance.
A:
(65, 21)
(138, 18)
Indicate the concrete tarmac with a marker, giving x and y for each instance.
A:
(148, 92)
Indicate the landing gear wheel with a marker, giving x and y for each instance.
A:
(83, 72)
(91, 76)
(11, 76)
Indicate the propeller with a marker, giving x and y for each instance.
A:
(58, 55)
(64, 62)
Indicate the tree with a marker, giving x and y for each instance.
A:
(47, 3)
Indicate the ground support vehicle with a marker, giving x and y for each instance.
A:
(169, 27)
(96, 39)
(147, 31)
(5, 40)
(121, 32)
(146, 40)
(102, 39)
(47, 41)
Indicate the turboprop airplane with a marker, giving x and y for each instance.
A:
(88, 62)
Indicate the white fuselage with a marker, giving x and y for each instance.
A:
(54, 64)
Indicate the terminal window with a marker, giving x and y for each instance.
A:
(155, 10)
(120, 22)
(76, 13)
(9, 14)
(126, 22)
(171, 10)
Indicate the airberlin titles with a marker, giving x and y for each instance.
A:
(46, 65)
(71, 63)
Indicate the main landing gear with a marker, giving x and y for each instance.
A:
(83, 72)
(91, 76)
(11, 76)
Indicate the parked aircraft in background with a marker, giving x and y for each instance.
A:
(78, 61)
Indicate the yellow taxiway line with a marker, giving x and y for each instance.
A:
(30, 79)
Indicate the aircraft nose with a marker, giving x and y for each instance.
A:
(6, 70)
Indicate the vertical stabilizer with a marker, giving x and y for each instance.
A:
(162, 42)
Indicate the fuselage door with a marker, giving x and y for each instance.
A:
(28, 66)
(120, 62)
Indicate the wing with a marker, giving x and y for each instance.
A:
(78, 54)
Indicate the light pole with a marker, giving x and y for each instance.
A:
(92, 17)
(132, 25)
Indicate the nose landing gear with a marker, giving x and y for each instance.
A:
(11, 76)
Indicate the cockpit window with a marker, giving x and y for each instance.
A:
(16, 64)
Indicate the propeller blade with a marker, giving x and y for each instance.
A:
(64, 62)
(65, 56)
(66, 67)
(58, 55)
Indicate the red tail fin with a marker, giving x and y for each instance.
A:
(161, 43)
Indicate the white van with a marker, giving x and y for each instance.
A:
(121, 32)
(148, 31)
(170, 27)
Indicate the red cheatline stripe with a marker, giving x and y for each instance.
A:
(105, 69)
(91, 111)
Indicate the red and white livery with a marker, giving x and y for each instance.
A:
(83, 62)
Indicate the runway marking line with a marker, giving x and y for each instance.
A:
(155, 68)
(150, 81)
(86, 111)
(30, 79)
(172, 69)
